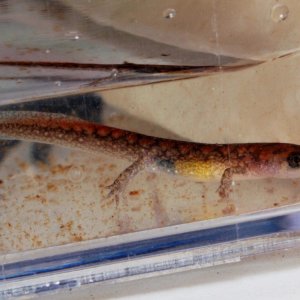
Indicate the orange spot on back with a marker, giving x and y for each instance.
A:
(132, 138)
(207, 149)
(103, 131)
(185, 148)
(43, 124)
(265, 155)
(117, 133)
(89, 129)
(64, 124)
(165, 145)
(77, 127)
(146, 142)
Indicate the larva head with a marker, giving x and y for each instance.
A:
(289, 162)
(293, 164)
(293, 160)
(276, 160)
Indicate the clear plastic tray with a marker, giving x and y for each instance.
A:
(148, 253)
(57, 229)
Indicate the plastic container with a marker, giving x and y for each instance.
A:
(57, 229)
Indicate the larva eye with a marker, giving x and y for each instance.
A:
(294, 160)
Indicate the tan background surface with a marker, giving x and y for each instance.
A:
(245, 29)
(258, 104)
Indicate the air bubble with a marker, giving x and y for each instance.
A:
(169, 13)
(153, 168)
(75, 174)
(280, 12)
(114, 73)
(73, 35)
(58, 83)
(47, 51)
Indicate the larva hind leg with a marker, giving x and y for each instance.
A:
(226, 180)
(117, 188)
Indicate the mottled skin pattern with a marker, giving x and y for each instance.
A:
(201, 162)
